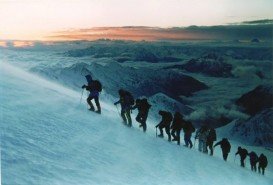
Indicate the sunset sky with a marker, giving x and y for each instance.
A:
(48, 19)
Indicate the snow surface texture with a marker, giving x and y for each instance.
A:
(48, 137)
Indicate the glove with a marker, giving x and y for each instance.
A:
(83, 86)
(115, 103)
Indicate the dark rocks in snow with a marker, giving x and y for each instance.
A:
(211, 65)
(257, 100)
(258, 130)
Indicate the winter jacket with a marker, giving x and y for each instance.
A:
(212, 135)
(178, 122)
(263, 161)
(253, 157)
(225, 145)
(142, 105)
(91, 86)
(202, 134)
(166, 119)
(242, 152)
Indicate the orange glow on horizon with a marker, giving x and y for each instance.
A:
(19, 44)
(126, 33)
(3, 44)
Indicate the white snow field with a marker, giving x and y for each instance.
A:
(48, 137)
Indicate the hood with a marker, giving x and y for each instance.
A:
(88, 78)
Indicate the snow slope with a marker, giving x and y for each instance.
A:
(49, 138)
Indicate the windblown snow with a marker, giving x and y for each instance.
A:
(48, 137)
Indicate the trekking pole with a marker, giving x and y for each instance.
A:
(81, 96)
(194, 143)
(118, 111)
(155, 131)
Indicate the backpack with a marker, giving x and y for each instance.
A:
(190, 126)
(97, 85)
(131, 99)
(169, 117)
(144, 104)
(212, 134)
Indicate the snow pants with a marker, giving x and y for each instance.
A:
(225, 155)
(176, 135)
(242, 160)
(261, 168)
(253, 165)
(210, 145)
(187, 139)
(167, 130)
(126, 117)
(202, 146)
(96, 98)
(141, 118)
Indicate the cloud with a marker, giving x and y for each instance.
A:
(261, 29)
(263, 21)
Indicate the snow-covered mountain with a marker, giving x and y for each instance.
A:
(113, 76)
(258, 130)
(210, 64)
(48, 137)
(257, 100)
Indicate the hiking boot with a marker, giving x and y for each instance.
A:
(98, 112)
(91, 109)
(160, 135)
(174, 139)
(140, 125)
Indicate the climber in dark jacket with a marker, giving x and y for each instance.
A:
(176, 127)
(243, 153)
(188, 129)
(143, 110)
(262, 163)
(94, 93)
(253, 159)
(210, 139)
(165, 123)
(125, 103)
(225, 146)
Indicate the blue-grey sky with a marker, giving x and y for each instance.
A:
(36, 19)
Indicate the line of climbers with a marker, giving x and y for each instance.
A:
(172, 125)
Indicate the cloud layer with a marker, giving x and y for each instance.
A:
(261, 29)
